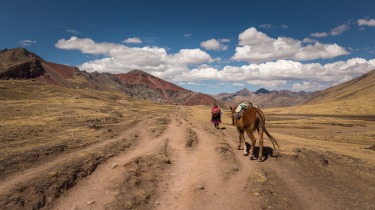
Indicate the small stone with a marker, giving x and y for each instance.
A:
(200, 187)
(90, 202)
(114, 165)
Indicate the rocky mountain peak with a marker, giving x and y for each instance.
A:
(19, 63)
(262, 91)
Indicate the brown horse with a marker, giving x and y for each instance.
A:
(252, 119)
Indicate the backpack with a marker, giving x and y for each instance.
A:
(215, 112)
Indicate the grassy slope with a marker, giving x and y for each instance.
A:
(356, 97)
(35, 116)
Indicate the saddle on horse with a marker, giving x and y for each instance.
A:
(241, 108)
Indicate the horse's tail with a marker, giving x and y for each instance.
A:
(262, 121)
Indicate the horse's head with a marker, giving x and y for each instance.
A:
(232, 111)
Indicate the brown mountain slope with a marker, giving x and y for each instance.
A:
(355, 97)
(361, 87)
(143, 85)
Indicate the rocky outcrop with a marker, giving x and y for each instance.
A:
(20, 64)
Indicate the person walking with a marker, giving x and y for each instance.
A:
(216, 115)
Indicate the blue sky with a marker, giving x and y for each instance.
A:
(204, 46)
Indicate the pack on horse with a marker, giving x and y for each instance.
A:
(251, 119)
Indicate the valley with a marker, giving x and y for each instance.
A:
(84, 149)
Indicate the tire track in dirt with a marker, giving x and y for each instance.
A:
(39, 186)
(209, 175)
(102, 187)
(29, 174)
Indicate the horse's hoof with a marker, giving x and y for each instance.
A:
(252, 158)
(239, 148)
(245, 154)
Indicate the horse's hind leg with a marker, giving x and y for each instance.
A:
(260, 158)
(252, 145)
(242, 140)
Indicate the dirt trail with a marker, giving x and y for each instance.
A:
(101, 187)
(198, 180)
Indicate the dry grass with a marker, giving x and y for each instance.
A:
(36, 117)
(296, 128)
(359, 106)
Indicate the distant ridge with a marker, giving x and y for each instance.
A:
(264, 98)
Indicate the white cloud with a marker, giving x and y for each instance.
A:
(306, 86)
(224, 40)
(71, 30)
(189, 56)
(308, 40)
(120, 58)
(134, 40)
(238, 84)
(188, 35)
(339, 29)
(279, 73)
(214, 44)
(266, 26)
(267, 83)
(284, 26)
(319, 34)
(366, 22)
(27, 42)
(255, 46)
(334, 32)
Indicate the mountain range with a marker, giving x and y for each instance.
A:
(19, 63)
(264, 98)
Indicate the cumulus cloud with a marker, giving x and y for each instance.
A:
(120, 58)
(214, 44)
(267, 83)
(255, 46)
(306, 86)
(314, 76)
(366, 22)
(134, 40)
(188, 35)
(27, 42)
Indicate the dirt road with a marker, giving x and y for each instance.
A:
(176, 161)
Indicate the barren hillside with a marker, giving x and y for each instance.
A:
(355, 97)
